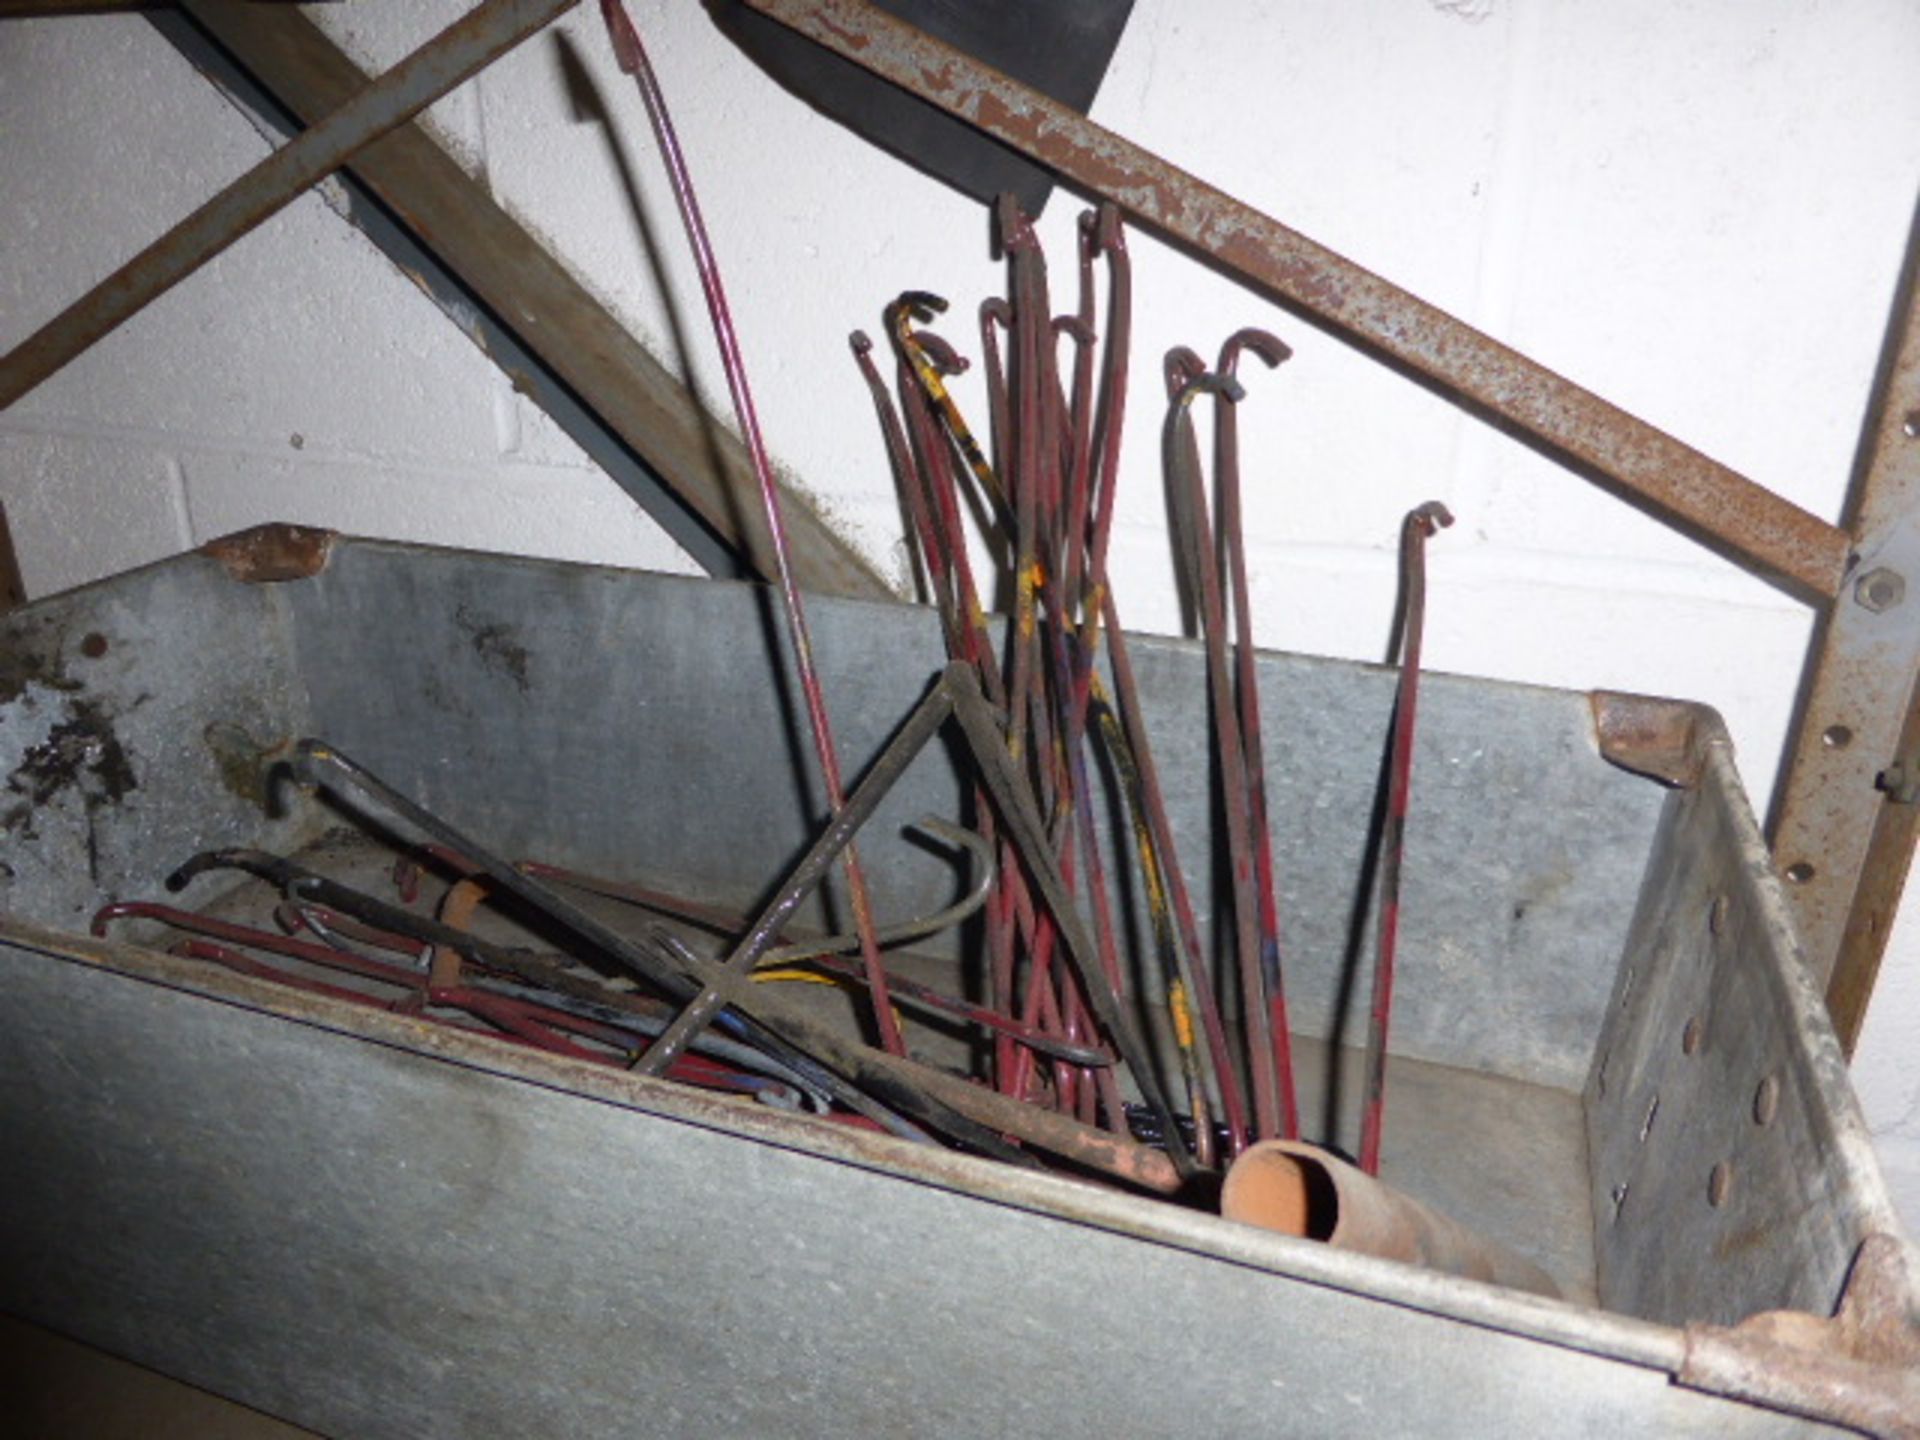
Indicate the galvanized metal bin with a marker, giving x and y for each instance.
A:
(1608, 1056)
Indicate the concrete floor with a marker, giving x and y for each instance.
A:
(59, 1389)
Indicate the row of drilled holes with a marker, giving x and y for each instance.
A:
(1766, 1095)
(1839, 737)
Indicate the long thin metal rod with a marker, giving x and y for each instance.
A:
(930, 388)
(1001, 775)
(527, 1017)
(1196, 973)
(1226, 435)
(632, 56)
(1705, 497)
(1275, 1110)
(1414, 533)
(463, 48)
(920, 367)
(733, 977)
(942, 1099)
(906, 992)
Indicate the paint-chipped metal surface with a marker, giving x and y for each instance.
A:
(1666, 740)
(137, 718)
(1862, 1366)
(1709, 500)
(267, 554)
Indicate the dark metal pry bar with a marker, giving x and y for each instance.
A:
(316, 763)
(1421, 525)
(1001, 774)
(632, 57)
(956, 694)
(967, 1113)
(730, 981)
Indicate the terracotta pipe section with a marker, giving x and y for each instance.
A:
(1300, 1189)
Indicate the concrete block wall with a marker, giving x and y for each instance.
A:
(300, 375)
(1696, 209)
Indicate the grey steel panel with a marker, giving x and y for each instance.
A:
(1732, 1171)
(132, 715)
(363, 1221)
(374, 1242)
(629, 722)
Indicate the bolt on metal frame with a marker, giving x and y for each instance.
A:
(1845, 816)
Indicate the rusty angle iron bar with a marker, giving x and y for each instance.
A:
(1848, 807)
(1684, 486)
(401, 92)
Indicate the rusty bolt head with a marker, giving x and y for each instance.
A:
(1880, 589)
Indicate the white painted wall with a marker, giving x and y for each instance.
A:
(1697, 209)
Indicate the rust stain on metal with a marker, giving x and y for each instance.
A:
(853, 41)
(1876, 897)
(81, 753)
(1710, 500)
(1862, 709)
(497, 645)
(268, 554)
(242, 762)
(1860, 1369)
(1653, 736)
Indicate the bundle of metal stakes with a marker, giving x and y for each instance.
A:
(1048, 479)
(1074, 1079)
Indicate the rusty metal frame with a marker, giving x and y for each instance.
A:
(308, 56)
(511, 296)
(464, 48)
(1846, 812)
(1686, 488)
(1846, 825)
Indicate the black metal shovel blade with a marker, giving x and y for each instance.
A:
(1059, 47)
